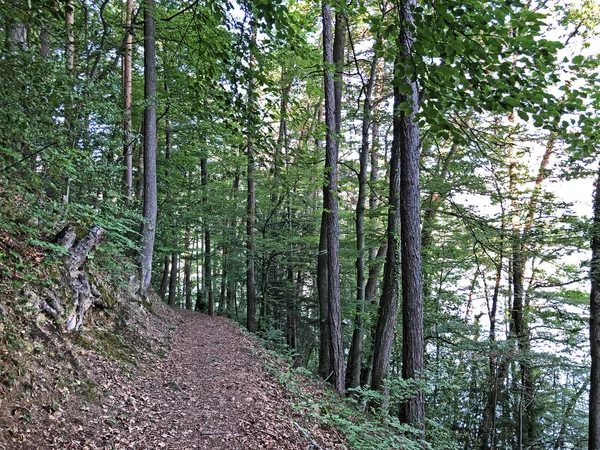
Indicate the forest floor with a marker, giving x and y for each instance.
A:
(210, 390)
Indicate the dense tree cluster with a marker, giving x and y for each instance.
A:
(378, 187)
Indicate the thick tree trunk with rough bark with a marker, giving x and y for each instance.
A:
(333, 269)
(594, 421)
(150, 188)
(412, 411)
(388, 305)
(324, 369)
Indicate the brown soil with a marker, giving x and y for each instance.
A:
(211, 391)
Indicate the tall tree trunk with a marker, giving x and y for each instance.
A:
(223, 308)
(140, 167)
(44, 43)
(70, 47)
(324, 369)
(374, 272)
(250, 205)
(173, 279)
(150, 188)
(356, 347)
(208, 282)
(291, 329)
(199, 293)
(165, 278)
(187, 270)
(487, 427)
(127, 134)
(388, 305)
(333, 269)
(412, 411)
(594, 408)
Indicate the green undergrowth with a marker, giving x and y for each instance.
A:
(319, 403)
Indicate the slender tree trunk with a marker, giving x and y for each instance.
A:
(594, 408)
(333, 274)
(250, 214)
(140, 167)
(173, 279)
(223, 307)
(374, 272)
(150, 188)
(356, 348)
(199, 294)
(188, 270)
(44, 43)
(70, 47)
(208, 281)
(487, 426)
(165, 278)
(127, 134)
(291, 331)
(566, 415)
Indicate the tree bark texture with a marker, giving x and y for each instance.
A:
(70, 44)
(127, 134)
(388, 305)
(187, 271)
(208, 281)
(594, 406)
(412, 411)
(333, 268)
(356, 347)
(173, 280)
(150, 188)
(85, 292)
(164, 282)
(250, 206)
(324, 369)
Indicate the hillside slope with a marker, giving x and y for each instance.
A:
(148, 378)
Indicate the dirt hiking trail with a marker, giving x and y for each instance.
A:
(211, 391)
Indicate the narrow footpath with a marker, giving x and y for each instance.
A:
(210, 391)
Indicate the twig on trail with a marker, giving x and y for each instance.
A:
(214, 433)
(270, 434)
(308, 438)
(262, 431)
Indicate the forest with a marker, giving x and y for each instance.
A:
(401, 196)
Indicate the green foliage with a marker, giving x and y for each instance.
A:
(494, 93)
